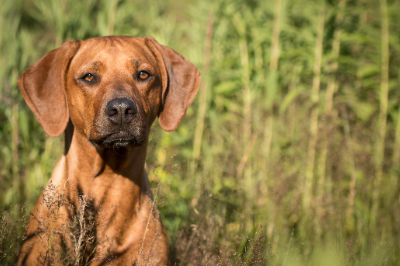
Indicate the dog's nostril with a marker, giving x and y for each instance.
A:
(112, 112)
(130, 111)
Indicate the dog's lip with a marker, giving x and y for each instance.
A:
(118, 135)
(119, 139)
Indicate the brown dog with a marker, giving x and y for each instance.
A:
(112, 89)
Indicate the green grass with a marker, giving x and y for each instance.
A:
(268, 167)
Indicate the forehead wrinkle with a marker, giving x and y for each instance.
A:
(109, 38)
(90, 66)
(141, 56)
(96, 65)
(136, 62)
(118, 41)
(105, 54)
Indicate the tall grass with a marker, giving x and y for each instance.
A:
(296, 127)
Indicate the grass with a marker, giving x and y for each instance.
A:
(267, 168)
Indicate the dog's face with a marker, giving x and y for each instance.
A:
(112, 88)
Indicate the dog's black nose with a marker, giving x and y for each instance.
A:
(121, 111)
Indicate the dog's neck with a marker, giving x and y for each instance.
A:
(86, 163)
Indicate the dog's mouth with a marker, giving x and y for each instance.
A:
(120, 139)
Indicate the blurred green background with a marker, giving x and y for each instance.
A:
(289, 154)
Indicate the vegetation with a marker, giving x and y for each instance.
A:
(288, 156)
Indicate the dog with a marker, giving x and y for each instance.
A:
(105, 93)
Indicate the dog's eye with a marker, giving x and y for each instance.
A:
(88, 77)
(143, 75)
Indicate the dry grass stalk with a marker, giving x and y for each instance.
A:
(327, 120)
(111, 16)
(246, 155)
(309, 174)
(74, 242)
(352, 166)
(198, 135)
(82, 232)
(383, 111)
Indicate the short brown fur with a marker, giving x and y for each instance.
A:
(103, 160)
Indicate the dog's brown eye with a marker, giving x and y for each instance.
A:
(143, 75)
(88, 77)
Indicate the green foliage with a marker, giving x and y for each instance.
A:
(253, 161)
(13, 225)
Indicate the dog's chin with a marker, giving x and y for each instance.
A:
(117, 141)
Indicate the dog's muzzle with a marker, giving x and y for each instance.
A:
(121, 125)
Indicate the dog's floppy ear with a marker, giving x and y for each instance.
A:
(43, 87)
(180, 81)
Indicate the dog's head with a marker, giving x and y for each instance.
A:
(112, 88)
